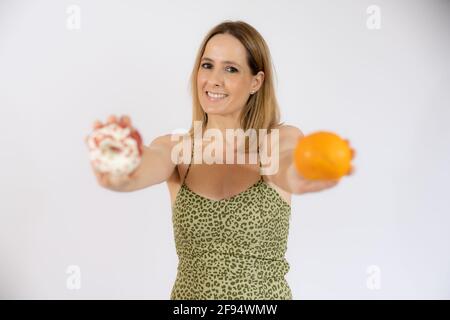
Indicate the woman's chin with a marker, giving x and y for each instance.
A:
(214, 110)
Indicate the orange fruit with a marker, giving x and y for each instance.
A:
(323, 155)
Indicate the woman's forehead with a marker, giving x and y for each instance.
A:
(224, 49)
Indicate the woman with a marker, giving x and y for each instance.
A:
(230, 222)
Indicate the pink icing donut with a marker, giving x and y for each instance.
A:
(115, 149)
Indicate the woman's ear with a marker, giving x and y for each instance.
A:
(258, 80)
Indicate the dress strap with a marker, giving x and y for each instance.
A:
(259, 160)
(192, 155)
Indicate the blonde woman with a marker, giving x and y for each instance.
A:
(230, 221)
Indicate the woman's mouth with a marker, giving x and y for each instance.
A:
(213, 97)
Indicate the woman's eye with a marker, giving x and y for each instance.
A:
(233, 70)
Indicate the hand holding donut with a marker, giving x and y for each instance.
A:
(115, 151)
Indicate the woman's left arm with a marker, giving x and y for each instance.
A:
(287, 177)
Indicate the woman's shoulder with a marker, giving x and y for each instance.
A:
(288, 136)
(169, 139)
(288, 131)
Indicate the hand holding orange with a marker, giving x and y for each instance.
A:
(323, 155)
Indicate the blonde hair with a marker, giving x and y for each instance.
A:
(261, 110)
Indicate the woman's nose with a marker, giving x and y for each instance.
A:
(215, 78)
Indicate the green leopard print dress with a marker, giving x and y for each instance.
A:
(231, 248)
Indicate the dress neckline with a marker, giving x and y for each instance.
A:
(226, 200)
(260, 180)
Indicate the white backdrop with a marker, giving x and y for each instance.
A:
(381, 234)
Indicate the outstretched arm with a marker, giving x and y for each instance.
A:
(156, 165)
(287, 177)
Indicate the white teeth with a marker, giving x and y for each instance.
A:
(216, 95)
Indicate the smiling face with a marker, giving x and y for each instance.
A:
(224, 70)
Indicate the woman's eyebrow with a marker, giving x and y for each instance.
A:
(223, 62)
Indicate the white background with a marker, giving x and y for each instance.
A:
(386, 90)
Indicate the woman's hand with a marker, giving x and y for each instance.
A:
(307, 185)
(318, 185)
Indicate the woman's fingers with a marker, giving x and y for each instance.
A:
(332, 183)
(101, 177)
(112, 119)
(351, 149)
(106, 178)
(353, 154)
(97, 124)
(125, 121)
(350, 171)
(118, 180)
(317, 185)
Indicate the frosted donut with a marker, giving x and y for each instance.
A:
(115, 149)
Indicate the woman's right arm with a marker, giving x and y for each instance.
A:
(156, 165)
